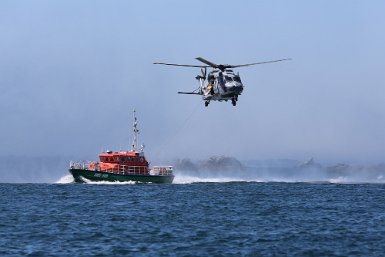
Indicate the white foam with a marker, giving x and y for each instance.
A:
(102, 182)
(340, 180)
(66, 179)
(184, 179)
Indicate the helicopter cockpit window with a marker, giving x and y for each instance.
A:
(229, 79)
(237, 79)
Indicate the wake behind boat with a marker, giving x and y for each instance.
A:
(122, 166)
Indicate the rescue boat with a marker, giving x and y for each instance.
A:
(122, 166)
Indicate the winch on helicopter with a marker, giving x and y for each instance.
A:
(221, 83)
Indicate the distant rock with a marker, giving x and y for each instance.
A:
(185, 164)
(310, 164)
(222, 163)
(214, 163)
(340, 169)
(279, 170)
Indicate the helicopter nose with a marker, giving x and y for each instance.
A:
(238, 88)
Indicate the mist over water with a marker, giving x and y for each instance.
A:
(27, 169)
(226, 169)
(21, 169)
(34, 169)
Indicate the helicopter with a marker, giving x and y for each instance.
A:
(221, 83)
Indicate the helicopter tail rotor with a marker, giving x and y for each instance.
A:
(203, 77)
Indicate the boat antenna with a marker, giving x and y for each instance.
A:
(135, 133)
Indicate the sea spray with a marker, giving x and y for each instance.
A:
(66, 179)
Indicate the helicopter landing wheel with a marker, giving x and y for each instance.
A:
(207, 103)
(234, 102)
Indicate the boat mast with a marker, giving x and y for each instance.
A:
(135, 131)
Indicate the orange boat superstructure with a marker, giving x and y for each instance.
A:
(117, 162)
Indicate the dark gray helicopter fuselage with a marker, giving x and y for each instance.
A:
(222, 85)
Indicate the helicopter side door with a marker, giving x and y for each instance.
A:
(221, 86)
(216, 88)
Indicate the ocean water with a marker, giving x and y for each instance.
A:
(192, 219)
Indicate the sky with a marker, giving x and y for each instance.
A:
(71, 72)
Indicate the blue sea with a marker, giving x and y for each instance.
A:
(192, 219)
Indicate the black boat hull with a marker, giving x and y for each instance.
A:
(82, 175)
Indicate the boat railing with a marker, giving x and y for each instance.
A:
(79, 165)
(139, 170)
(162, 170)
(127, 170)
(124, 169)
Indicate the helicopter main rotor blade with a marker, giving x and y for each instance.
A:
(207, 62)
(182, 65)
(255, 63)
